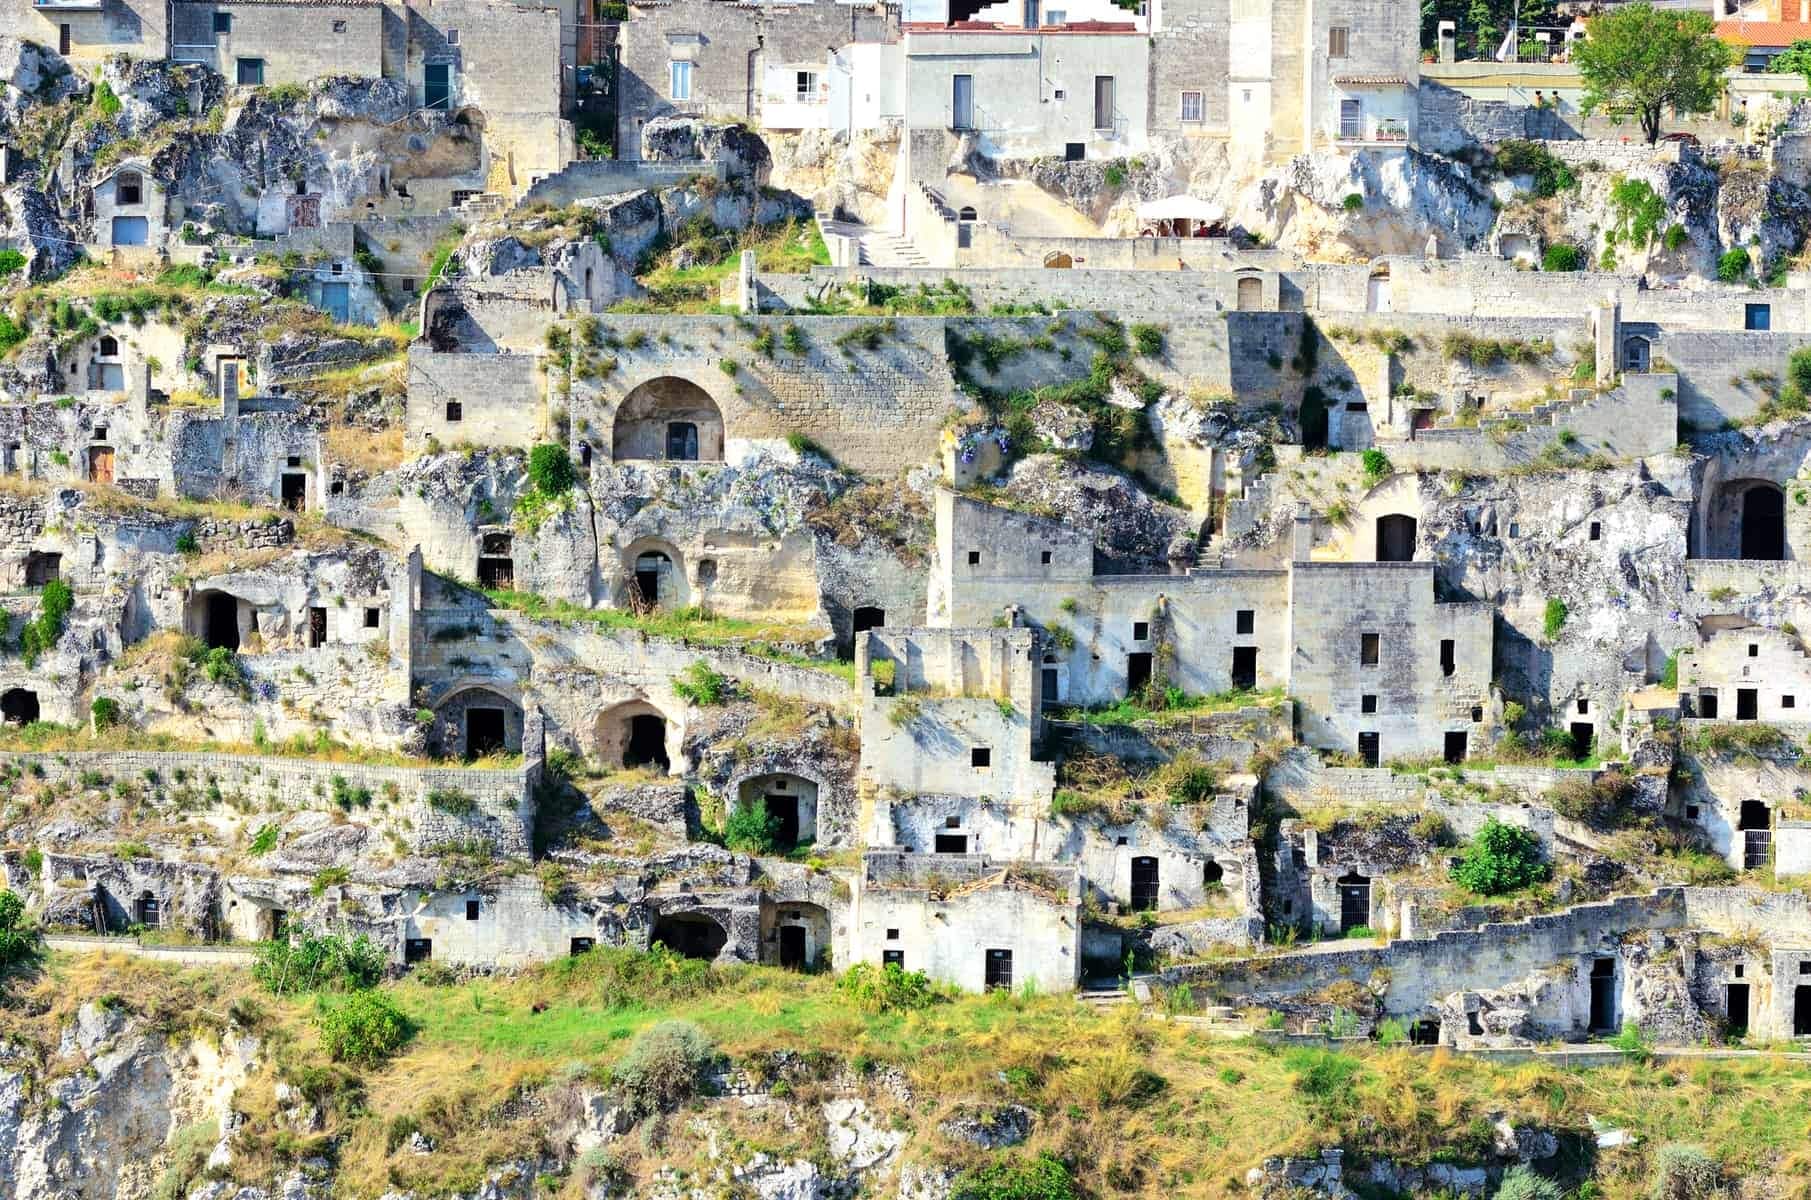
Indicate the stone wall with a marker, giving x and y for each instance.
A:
(502, 802)
(295, 42)
(592, 178)
(473, 399)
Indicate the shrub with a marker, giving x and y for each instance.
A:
(1377, 466)
(1675, 238)
(42, 631)
(1523, 1183)
(701, 684)
(365, 1027)
(186, 543)
(1187, 779)
(751, 829)
(1598, 802)
(452, 801)
(1326, 1079)
(1041, 1178)
(1353, 202)
(1563, 257)
(890, 988)
(221, 665)
(1683, 1172)
(1551, 176)
(318, 963)
(264, 841)
(1732, 266)
(1633, 1043)
(104, 711)
(662, 1068)
(11, 262)
(18, 936)
(1147, 340)
(550, 470)
(1501, 858)
(1554, 618)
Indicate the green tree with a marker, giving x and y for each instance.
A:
(1502, 858)
(1795, 61)
(1641, 61)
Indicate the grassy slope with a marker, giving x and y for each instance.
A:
(1223, 1105)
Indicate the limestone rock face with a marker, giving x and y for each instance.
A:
(1129, 526)
(692, 139)
(1406, 197)
(848, 177)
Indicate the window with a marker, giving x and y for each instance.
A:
(980, 757)
(804, 86)
(108, 348)
(1339, 41)
(1754, 649)
(680, 84)
(974, 558)
(1141, 631)
(1367, 705)
(452, 37)
(892, 935)
(294, 460)
(1447, 648)
(962, 102)
(1351, 120)
(1056, 16)
(893, 958)
(372, 616)
(1031, 14)
(1072, 151)
(1584, 707)
(339, 27)
(338, 268)
(1788, 701)
(1191, 107)
(128, 188)
(1596, 530)
(1245, 621)
(1757, 317)
(455, 410)
(471, 910)
(1103, 103)
(1367, 649)
(100, 433)
(1045, 558)
(223, 22)
(251, 72)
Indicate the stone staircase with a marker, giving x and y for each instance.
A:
(874, 247)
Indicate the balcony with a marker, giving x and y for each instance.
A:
(1374, 133)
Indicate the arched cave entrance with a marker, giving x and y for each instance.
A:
(1764, 523)
(668, 419)
(690, 935)
(1396, 538)
(633, 734)
(19, 706)
(218, 623)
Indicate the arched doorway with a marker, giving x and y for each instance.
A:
(800, 935)
(148, 911)
(1354, 902)
(1764, 523)
(1396, 538)
(19, 706)
(1377, 291)
(690, 935)
(868, 617)
(1057, 260)
(1635, 355)
(217, 623)
(668, 419)
(633, 734)
(653, 581)
(1251, 294)
(1755, 824)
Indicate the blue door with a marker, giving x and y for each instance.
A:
(336, 301)
(437, 86)
(131, 231)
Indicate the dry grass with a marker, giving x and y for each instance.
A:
(368, 450)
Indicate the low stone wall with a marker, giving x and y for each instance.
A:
(185, 956)
(501, 803)
(612, 177)
(1230, 737)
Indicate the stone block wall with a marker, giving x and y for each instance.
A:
(296, 43)
(473, 399)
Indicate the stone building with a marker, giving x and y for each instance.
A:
(274, 43)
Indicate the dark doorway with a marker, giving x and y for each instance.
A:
(951, 843)
(1447, 659)
(1455, 746)
(1748, 705)
(1584, 734)
(1395, 538)
(1051, 691)
(1764, 523)
(484, 732)
(279, 924)
(999, 970)
(317, 628)
(784, 812)
(647, 742)
(1707, 705)
(417, 950)
(1425, 1032)
(649, 568)
(1354, 903)
(19, 707)
(496, 569)
(222, 622)
(1144, 884)
(41, 569)
(1603, 995)
(295, 492)
(1212, 874)
(1370, 749)
(63, 40)
(682, 441)
(892, 958)
(792, 947)
(581, 945)
(690, 935)
(1756, 826)
(149, 912)
(1801, 1011)
(869, 617)
(1138, 671)
(437, 86)
(1245, 668)
(1735, 1005)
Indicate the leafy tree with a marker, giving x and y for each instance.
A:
(662, 1068)
(1502, 858)
(365, 1027)
(1640, 60)
(1795, 61)
(1562, 257)
(18, 936)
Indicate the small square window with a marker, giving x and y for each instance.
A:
(1691, 812)
(974, 558)
(980, 756)
(1245, 621)
(1122, 841)
(1339, 41)
(1367, 704)
(337, 488)
(952, 822)
(1192, 108)
(223, 22)
(471, 910)
(294, 460)
(372, 616)
(452, 37)
(339, 268)
(100, 433)
(250, 72)
(1515, 530)
(1044, 558)
(892, 935)
(1369, 646)
(1141, 631)
(1804, 968)
(455, 411)
(1477, 713)
(1584, 706)
(1596, 530)
(1754, 650)
(1738, 970)
(339, 27)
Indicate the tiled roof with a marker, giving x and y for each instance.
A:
(996, 27)
(1371, 80)
(1764, 33)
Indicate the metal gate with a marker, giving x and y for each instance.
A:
(1757, 845)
